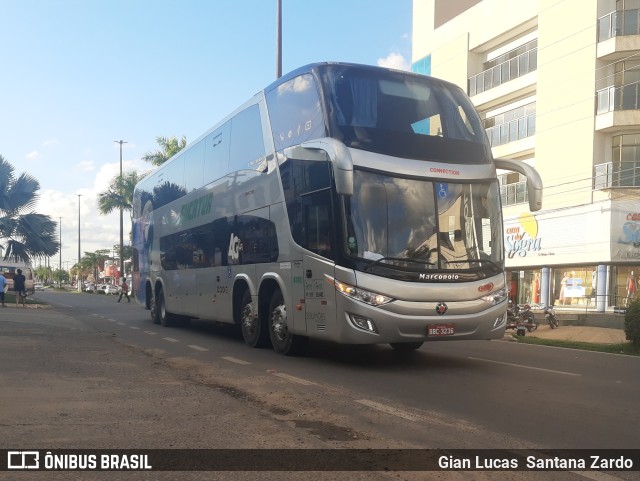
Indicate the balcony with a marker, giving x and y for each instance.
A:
(616, 174)
(618, 23)
(618, 108)
(512, 194)
(511, 131)
(503, 72)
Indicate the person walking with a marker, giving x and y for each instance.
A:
(3, 286)
(19, 287)
(124, 290)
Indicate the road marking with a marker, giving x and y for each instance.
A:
(525, 367)
(390, 410)
(170, 339)
(120, 323)
(294, 379)
(237, 361)
(112, 320)
(197, 348)
(134, 327)
(151, 333)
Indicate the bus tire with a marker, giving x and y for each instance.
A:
(153, 309)
(406, 346)
(283, 341)
(166, 318)
(253, 331)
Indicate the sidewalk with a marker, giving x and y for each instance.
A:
(595, 335)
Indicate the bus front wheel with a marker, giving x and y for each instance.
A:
(283, 341)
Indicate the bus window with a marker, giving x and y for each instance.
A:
(216, 156)
(295, 113)
(194, 166)
(247, 144)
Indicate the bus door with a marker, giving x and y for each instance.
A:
(318, 263)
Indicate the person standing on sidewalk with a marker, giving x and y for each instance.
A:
(19, 287)
(3, 286)
(124, 291)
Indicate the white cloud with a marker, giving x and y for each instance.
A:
(32, 155)
(396, 61)
(86, 165)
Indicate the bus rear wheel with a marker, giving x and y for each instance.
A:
(253, 331)
(283, 341)
(153, 308)
(406, 346)
(164, 317)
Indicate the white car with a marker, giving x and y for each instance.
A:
(109, 289)
(38, 286)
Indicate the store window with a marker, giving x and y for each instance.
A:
(623, 285)
(574, 286)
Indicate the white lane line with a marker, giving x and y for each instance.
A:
(390, 410)
(525, 367)
(134, 327)
(235, 360)
(170, 339)
(121, 323)
(112, 320)
(197, 348)
(299, 380)
(151, 333)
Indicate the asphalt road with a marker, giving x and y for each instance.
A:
(446, 395)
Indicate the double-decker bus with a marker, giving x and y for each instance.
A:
(343, 202)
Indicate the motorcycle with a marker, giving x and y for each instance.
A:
(550, 316)
(521, 318)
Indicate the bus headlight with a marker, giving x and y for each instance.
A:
(496, 297)
(362, 295)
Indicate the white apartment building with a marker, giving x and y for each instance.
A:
(557, 83)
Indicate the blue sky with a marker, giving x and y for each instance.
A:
(75, 75)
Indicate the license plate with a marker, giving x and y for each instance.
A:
(435, 330)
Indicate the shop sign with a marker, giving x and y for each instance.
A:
(523, 238)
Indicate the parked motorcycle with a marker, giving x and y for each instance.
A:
(550, 316)
(528, 318)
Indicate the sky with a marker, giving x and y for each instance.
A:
(77, 75)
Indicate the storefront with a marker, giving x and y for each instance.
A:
(586, 257)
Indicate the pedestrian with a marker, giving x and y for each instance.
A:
(19, 287)
(124, 290)
(3, 286)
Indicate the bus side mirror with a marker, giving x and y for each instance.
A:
(534, 181)
(330, 149)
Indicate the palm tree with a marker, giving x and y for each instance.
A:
(120, 193)
(24, 233)
(168, 148)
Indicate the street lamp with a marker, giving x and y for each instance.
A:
(121, 221)
(79, 257)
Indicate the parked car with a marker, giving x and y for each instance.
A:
(38, 286)
(109, 289)
(90, 287)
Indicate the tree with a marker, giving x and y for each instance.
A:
(168, 148)
(25, 234)
(119, 194)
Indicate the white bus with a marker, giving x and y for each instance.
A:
(343, 202)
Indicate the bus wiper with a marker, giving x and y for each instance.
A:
(469, 261)
(396, 259)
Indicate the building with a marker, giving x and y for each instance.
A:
(557, 84)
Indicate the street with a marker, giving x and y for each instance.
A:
(473, 395)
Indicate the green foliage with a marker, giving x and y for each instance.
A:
(632, 323)
(24, 234)
(168, 148)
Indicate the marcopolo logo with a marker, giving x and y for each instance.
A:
(23, 460)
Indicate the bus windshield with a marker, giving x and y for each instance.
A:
(404, 115)
(413, 225)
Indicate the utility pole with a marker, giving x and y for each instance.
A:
(279, 41)
(60, 250)
(121, 218)
(79, 257)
